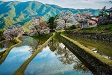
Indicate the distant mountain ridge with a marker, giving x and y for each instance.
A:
(14, 12)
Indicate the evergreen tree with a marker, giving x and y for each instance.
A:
(51, 22)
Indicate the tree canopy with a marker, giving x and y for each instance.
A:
(51, 23)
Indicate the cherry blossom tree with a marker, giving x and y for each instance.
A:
(38, 27)
(13, 31)
(83, 17)
(60, 24)
(64, 19)
(67, 18)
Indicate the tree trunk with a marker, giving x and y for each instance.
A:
(37, 30)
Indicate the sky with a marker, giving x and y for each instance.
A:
(76, 4)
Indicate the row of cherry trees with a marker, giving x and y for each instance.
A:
(67, 18)
(62, 20)
(37, 27)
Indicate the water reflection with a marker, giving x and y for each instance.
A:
(34, 44)
(3, 47)
(56, 59)
(104, 48)
(18, 55)
(6, 44)
(14, 60)
(1, 53)
(79, 66)
(66, 56)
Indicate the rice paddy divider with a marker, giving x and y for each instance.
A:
(9, 49)
(20, 71)
(96, 55)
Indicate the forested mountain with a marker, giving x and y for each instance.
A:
(14, 12)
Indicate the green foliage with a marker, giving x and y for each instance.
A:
(42, 36)
(1, 33)
(71, 27)
(8, 22)
(26, 26)
(20, 18)
(51, 21)
(22, 12)
(12, 12)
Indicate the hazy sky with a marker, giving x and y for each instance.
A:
(75, 3)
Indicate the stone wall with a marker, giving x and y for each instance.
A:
(107, 37)
(99, 68)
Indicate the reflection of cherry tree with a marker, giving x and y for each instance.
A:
(35, 45)
(66, 56)
(52, 45)
(13, 31)
(79, 66)
(7, 44)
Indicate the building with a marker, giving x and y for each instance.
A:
(92, 22)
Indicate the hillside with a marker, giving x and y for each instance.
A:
(15, 12)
